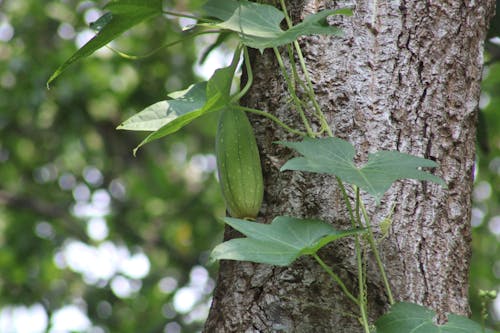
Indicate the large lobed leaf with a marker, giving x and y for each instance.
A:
(278, 243)
(259, 25)
(123, 15)
(409, 317)
(335, 156)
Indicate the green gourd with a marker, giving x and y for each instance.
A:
(238, 164)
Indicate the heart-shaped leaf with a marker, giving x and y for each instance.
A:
(278, 243)
(123, 15)
(335, 156)
(408, 317)
(259, 24)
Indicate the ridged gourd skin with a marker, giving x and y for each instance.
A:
(238, 164)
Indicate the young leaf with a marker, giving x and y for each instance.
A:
(124, 14)
(259, 24)
(254, 250)
(221, 38)
(130, 6)
(159, 114)
(409, 317)
(317, 24)
(101, 22)
(219, 86)
(167, 117)
(221, 10)
(278, 243)
(335, 156)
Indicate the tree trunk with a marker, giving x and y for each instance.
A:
(405, 76)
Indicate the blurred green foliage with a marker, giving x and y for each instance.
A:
(485, 264)
(67, 174)
(74, 201)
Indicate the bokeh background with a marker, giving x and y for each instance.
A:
(95, 240)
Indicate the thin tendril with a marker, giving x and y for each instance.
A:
(200, 19)
(249, 82)
(149, 54)
(272, 117)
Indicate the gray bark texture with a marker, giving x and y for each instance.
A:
(405, 76)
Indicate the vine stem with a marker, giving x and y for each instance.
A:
(295, 74)
(359, 259)
(272, 117)
(137, 57)
(361, 301)
(361, 279)
(310, 88)
(176, 14)
(287, 17)
(373, 246)
(310, 91)
(336, 278)
(291, 89)
(290, 51)
(249, 82)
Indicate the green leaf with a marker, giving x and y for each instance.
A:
(278, 243)
(130, 6)
(259, 24)
(335, 156)
(124, 15)
(219, 87)
(254, 19)
(159, 114)
(408, 317)
(254, 250)
(221, 10)
(221, 38)
(167, 117)
(101, 22)
(317, 24)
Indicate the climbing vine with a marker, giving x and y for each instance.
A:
(258, 26)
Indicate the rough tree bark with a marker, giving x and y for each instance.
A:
(406, 76)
